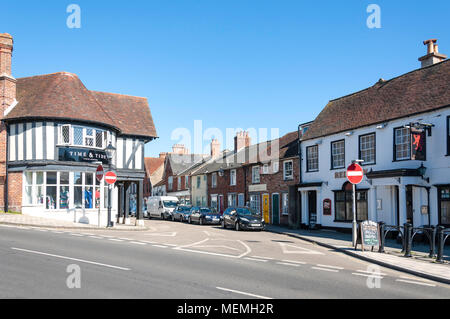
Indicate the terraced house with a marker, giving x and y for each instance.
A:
(400, 128)
(53, 136)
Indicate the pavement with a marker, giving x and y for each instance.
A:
(419, 264)
(181, 261)
(33, 221)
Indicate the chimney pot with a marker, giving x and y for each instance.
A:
(433, 56)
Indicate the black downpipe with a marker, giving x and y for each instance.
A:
(5, 187)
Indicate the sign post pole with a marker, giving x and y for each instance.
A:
(99, 176)
(355, 176)
(110, 178)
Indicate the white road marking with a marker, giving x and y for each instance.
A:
(293, 249)
(288, 264)
(217, 246)
(294, 262)
(96, 237)
(125, 238)
(243, 293)
(269, 258)
(371, 275)
(137, 243)
(168, 234)
(57, 232)
(69, 258)
(416, 282)
(328, 266)
(78, 235)
(149, 242)
(325, 269)
(256, 259)
(160, 246)
(44, 230)
(171, 245)
(115, 239)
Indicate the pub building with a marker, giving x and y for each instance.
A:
(54, 134)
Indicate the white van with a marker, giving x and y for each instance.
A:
(161, 206)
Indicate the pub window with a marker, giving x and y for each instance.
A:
(344, 205)
(402, 144)
(367, 148)
(338, 154)
(444, 206)
(312, 158)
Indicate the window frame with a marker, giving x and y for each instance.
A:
(331, 154)
(374, 148)
(395, 145)
(170, 182)
(213, 180)
(84, 136)
(448, 135)
(346, 220)
(233, 173)
(291, 177)
(283, 194)
(256, 169)
(440, 200)
(308, 170)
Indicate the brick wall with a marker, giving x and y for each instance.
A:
(223, 185)
(15, 191)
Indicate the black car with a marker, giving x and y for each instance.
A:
(204, 215)
(242, 218)
(181, 213)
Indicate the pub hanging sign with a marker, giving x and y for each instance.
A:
(418, 144)
(71, 154)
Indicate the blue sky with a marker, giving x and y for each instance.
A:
(231, 64)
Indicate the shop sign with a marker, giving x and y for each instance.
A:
(418, 144)
(327, 207)
(257, 188)
(71, 154)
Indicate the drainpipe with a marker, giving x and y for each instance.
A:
(299, 155)
(5, 187)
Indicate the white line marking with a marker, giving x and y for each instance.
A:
(328, 266)
(70, 258)
(57, 232)
(255, 259)
(78, 235)
(171, 245)
(415, 282)
(288, 264)
(294, 262)
(149, 242)
(298, 250)
(125, 238)
(325, 269)
(373, 275)
(243, 293)
(137, 243)
(42, 230)
(160, 246)
(115, 239)
(269, 258)
(95, 237)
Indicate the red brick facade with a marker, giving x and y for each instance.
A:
(15, 191)
(224, 188)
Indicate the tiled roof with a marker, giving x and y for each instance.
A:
(152, 164)
(63, 96)
(181, 162)
(421, 90)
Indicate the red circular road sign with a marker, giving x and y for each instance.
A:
(355, 173)
(110, 177)
(99, 173)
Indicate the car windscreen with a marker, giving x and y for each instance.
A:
(208, 211)
(170, 203)
(247, 212)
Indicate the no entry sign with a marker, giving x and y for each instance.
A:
(355, 173)
(110, 177)
(99, 173)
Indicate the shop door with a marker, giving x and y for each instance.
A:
(275, 209)
(265, 199)
(221, 204)
(312, 208)
(409, 205)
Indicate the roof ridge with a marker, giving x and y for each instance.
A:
(390, 80)
(120, 94)
(48, 74)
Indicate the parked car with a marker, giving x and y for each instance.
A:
(242, 218)
(204, 215)
(144, 210)
(162, 206)
(182, 213)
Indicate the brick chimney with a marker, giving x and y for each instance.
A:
(433, 56)
(241, 140)
(162, 155)
(215, 148)
(179, 149)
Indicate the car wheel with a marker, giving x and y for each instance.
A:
(237, 226)
(200, 221)
(223, 224)
(163, 217)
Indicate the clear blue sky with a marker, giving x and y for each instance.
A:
(229, 63)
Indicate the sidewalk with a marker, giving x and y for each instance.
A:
(419, 264)
(32, 221)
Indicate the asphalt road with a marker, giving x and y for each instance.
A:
(175, 260)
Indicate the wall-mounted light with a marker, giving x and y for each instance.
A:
(422, 169)
(349, 133)
(381, 126)
(319, 142)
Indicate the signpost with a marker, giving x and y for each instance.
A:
(99, 176)
(110, 178)
(355, 176)
(369, 234)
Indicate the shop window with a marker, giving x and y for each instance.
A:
(64, 181)
(89, 190)
(51, 182)
(28, 196)
(255, 203)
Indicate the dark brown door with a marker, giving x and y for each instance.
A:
(312, 208)
(409, 204)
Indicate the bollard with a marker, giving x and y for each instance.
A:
(432, 242)
(440, 252)
(382, 226)
(408, 239)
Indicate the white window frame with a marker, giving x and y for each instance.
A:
(179, 183)
(214, 180)
(233, 177)
(310, 160)
(337, 155)
(256, 178)
(105, 139)
(265, 169)
(285, 176)
(406, 144)
(170, 182)
(275, 166)
(284, 208)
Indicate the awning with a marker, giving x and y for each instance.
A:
(393, 173)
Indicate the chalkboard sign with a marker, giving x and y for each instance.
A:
(368, 234)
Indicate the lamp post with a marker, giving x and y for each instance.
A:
(110, 151)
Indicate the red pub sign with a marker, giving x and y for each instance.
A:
(418, 144)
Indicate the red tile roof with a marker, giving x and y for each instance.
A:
(153, 163)
(419, 91)
(63, 96)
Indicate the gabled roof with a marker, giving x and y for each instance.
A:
(62, 96)
(152, 164)
(419, 91)
(181, 162)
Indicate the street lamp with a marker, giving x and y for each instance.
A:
(422, 169)
(110, 150)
